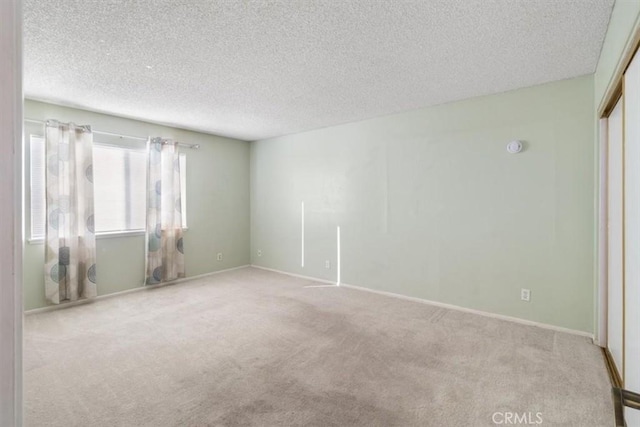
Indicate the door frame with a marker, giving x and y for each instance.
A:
(610, 98)
(616, 372)
(613, 92)
(11, 241)
(601, 336)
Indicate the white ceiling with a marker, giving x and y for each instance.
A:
(256, 69)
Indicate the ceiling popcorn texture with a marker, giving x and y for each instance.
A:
(258, 69)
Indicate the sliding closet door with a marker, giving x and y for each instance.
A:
(615, 264)
(632, 234)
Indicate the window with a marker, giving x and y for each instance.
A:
(38, 195)
(119, 186)
(119, 179)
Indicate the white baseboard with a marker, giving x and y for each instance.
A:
(128, 291)
(441, 304)
(300, 276)
(474, 311)
(314, 279)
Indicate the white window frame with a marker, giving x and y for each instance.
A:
(39, 239)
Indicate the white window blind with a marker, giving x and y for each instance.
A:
(119, 179)
(37, 187)
(119, 185)
(183, 189)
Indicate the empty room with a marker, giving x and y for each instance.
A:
(320, 213)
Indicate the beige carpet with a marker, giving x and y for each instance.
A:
(255, 348)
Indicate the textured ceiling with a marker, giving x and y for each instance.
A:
(257, 69)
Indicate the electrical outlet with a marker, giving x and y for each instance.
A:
(219, 257)
(525, 294)
(259, 252)
(327, 264)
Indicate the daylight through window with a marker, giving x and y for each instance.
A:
(119, 176)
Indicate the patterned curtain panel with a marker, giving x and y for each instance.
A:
(70, 254)
(165, 252)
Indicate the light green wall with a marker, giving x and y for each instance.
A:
(623, 18)
(432, 206)
(217, 206)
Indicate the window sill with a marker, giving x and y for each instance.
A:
(126, 233)
(102, 235)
